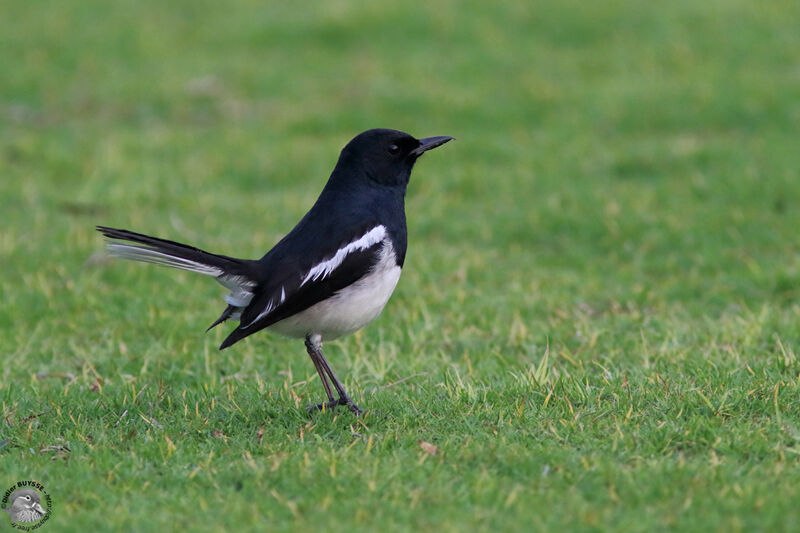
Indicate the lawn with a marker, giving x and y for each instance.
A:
(597, 327)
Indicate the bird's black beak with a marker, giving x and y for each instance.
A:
(429, 143)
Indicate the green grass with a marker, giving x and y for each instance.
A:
(597, 327)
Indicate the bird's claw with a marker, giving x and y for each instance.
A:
(354, 408)
(326, 405)
(336, 403)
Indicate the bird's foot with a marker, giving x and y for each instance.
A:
(326, 405)
(345, 400)
(336, 403)
(354, 408)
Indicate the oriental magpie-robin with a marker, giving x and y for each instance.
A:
(333, 273)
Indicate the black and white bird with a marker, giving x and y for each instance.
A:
(333, 273)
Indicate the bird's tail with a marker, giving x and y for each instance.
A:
(170, 253)
(238, 275)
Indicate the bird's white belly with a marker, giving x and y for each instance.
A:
(351, 308)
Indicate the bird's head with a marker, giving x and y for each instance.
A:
(25, 500)
(385, 156)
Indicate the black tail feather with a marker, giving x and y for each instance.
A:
(226, 314)
(235, 336)
(238, 275)
(228, 265)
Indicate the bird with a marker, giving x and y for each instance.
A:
(332, 274)
(25, 506)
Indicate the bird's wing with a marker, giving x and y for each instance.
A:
(295, 284)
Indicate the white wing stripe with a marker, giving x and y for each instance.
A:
(325, 268)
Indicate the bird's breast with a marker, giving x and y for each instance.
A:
(26, 515)
(351, 308)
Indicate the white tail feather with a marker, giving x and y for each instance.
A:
(239, 286)
(148, 255)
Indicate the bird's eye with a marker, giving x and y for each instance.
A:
(393, 149)
(28, 498)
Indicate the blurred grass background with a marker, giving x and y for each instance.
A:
(596, 328)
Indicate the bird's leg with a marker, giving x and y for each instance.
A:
(324, 379)
(344, 399)
(314, 344)
(312, 353)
